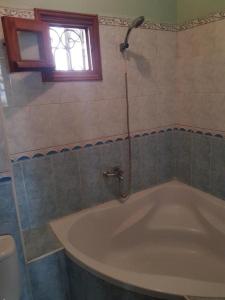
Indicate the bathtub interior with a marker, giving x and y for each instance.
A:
(171, 230)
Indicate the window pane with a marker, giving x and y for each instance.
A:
(28, 43)
(69, 48)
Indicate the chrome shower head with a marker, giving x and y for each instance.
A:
(135, 24)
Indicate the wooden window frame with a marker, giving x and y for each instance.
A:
(11, 26)
(84, 21)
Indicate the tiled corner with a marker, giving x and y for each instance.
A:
(4, 158)
(166, 164)
(201, 162)
(144, 162)
(9, 225)
(182, 143)
(218, 167)
(49, 279)
(40, 241)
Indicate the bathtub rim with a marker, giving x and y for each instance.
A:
(132, 281)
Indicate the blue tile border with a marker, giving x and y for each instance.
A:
(108, 141)
(5, 179)
(62, 176)
(88, 145)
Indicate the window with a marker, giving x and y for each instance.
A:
(64, 46)
(69, 49)
(28, 44)
(75, 45)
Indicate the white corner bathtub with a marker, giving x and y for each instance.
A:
(168, 239)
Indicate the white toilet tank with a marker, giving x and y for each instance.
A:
(9, 269)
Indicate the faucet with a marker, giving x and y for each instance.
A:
(115, 172)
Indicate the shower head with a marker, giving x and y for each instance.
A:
(135, 24)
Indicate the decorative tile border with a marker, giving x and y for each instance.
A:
(5, 177)
(16, 12)
(84, 144)
(107, 140)
(202, 21)
(103, 20)
(205, 131)
(124, 22)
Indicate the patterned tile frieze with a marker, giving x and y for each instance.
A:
(83, 144)
(124, 22)
(88, 144)
(204, 131)
(5, 177)
(16, 12)
(202, 21)
(54, 186)
(103, 20)
(73, 180)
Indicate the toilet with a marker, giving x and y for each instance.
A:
(9, 269)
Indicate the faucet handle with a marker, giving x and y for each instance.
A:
(114, 172)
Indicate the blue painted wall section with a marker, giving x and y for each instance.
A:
(9, 225)
(200, 161)
(56, 185)
(49, 278)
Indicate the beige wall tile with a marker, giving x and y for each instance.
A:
(4, 158)
(41, 115)
(200, 73)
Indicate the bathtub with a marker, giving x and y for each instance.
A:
(167, 240)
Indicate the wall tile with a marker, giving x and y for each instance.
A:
(40, 190)
(200, 76)
(111, 156)
(40, 241)
(91, 176)
(4, 158)
(144, 160)
(218, 167)
(49, 278)
(165, 168)
(143, 112)
(18, 129)
(9, 225)
(21, 195)
(67, 182)
(42, 115)
(201, 164)
(182, 142)
(7, 207)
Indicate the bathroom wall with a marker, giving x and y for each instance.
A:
(161, 11)
(200, 104)
(192, 9)
(200, 77)
(9, 223)
(62, 136)
(51, 129)
(4, 159)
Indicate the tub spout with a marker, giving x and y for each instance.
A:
(115, 172)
